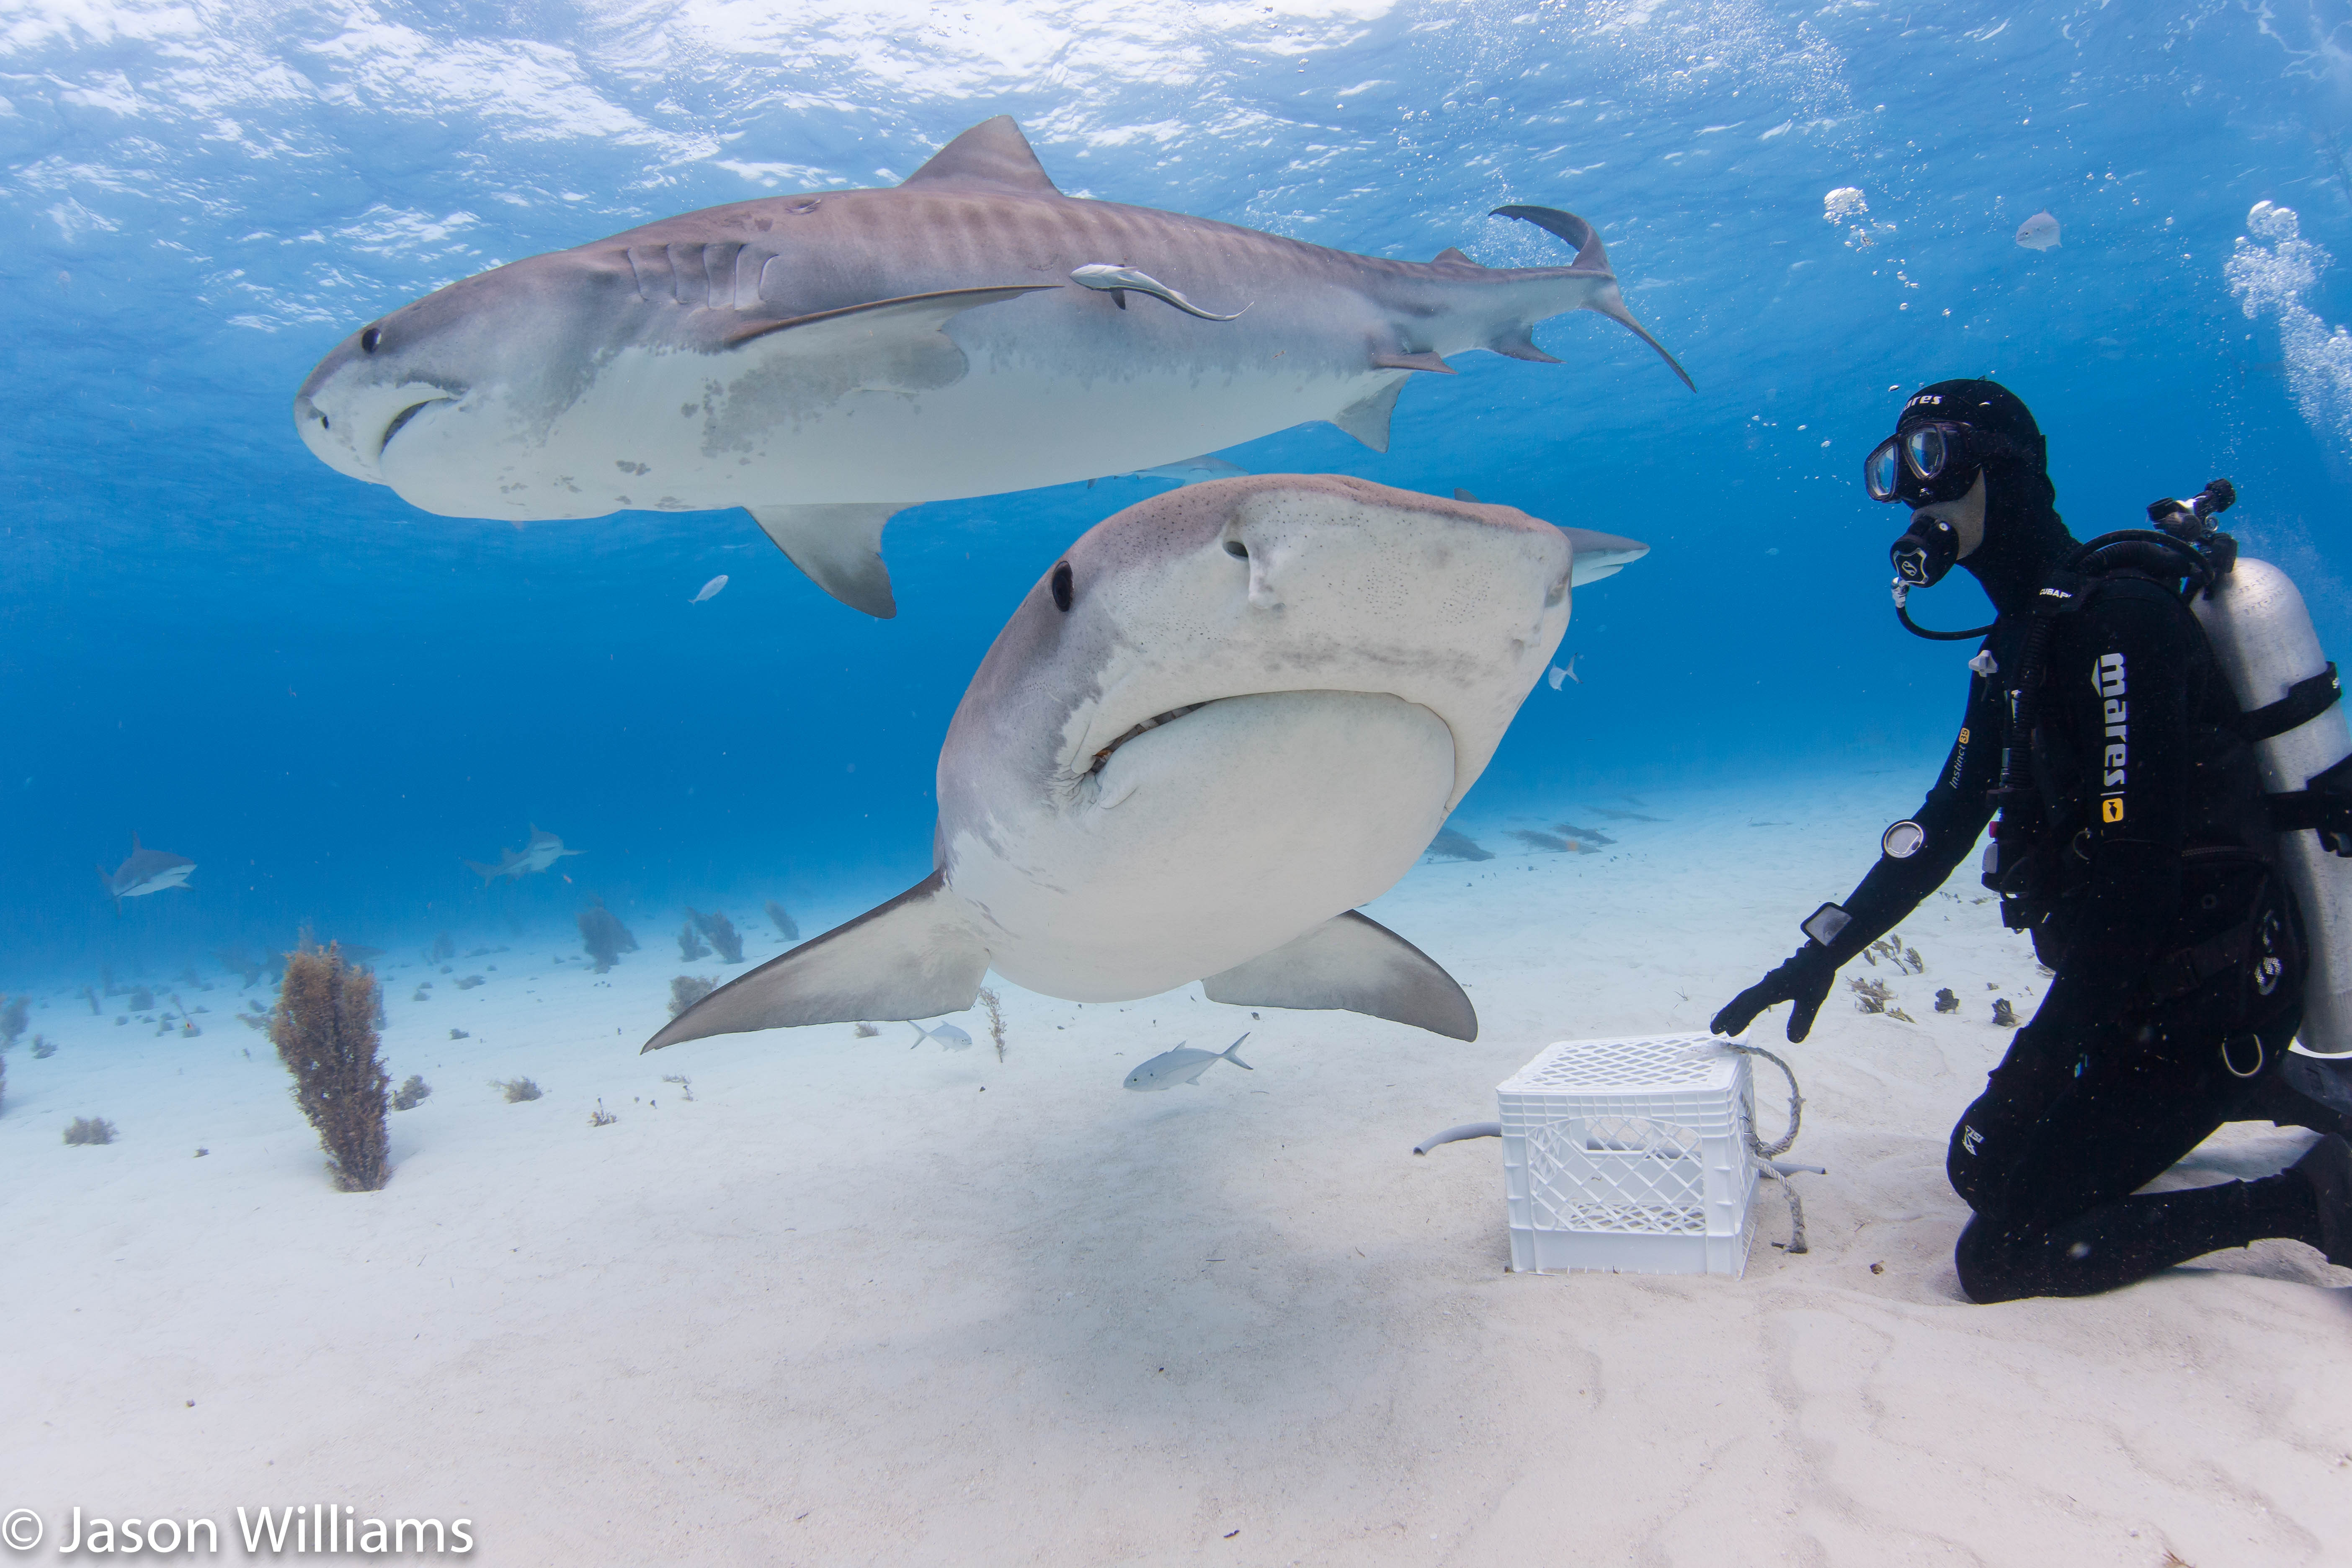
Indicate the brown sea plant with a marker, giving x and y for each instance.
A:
(324, 1029)
(604, 935)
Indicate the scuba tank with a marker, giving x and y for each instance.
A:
(2287, 696)
(2262, 638)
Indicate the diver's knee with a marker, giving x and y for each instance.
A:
(1992, 1264)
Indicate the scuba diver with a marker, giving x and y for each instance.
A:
(2135, 843)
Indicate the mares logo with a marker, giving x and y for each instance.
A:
(2108, 676)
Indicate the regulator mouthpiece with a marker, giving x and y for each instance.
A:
(1927, 550)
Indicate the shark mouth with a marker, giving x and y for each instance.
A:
(400, 422)
(1146, 727)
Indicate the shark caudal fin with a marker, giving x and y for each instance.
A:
(1355, 964)
(487, 873)
(1590, 256)
(918, 957)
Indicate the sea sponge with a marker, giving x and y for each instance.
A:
(12, 1020)
(690, 945)
(687, 990)
(324, 1029)
(90, 1129)
(411, 1094)
(724, 938)
(604, 935)
(786, 927)
(516, 1089)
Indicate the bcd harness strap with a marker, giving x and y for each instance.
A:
(2304, 701)
(2325, 806)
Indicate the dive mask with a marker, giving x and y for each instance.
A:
(1929, 463)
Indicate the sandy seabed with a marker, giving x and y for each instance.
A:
(853, 1302)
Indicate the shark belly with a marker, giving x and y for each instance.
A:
(661, 431)
(1209, 841)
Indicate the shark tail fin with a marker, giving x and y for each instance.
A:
(485, 872)
(1228, 1054)
(1592, 256)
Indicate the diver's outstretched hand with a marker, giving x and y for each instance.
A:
(1804, 980)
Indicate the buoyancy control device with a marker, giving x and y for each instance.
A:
(2288, 699)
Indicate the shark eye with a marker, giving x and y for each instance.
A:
(369, 339)
(1061, 587)
(1237, 549)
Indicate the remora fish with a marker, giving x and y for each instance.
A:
(145, 871)
(1231, 715)
(829, 358)
(543, 850)
(1170, 1068)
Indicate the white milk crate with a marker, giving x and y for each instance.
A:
(1632, 1156)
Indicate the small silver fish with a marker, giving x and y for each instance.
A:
(1117, 280)
(710, 589)
(2038, 232)
(1559, 673)
(1170, 1068)
(949, 1037)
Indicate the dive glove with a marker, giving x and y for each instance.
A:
(1804, 980)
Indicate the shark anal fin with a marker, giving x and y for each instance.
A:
(1451, 254)
(918, 957)
(1355, 964)
(1367, 418)
(1398, 359)
(1461, 494)
(1516, 342)
(993, 154)
(840, 548)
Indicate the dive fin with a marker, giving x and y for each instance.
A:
(1367, 418)
(993, 154)
(1397, 359)
(1592, 256)
(1600, 555)
(1353, 962)
(917, 956)
(839, 546)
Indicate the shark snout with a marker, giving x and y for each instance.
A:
(348, 423)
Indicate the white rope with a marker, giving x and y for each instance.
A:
(1765, 1154)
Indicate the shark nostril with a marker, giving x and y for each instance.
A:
(325, 423)
(1237, 549)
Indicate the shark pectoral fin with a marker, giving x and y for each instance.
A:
(918, 957)
(991, 153)
(1367, 418)
(839, 546)
(1352, 963)
(1599, 555)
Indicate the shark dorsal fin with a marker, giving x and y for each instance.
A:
(1450, 254)
(993, 154)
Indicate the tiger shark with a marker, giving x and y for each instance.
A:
(827, 360)
(145, 871)
(542, 850)
(1230, 714)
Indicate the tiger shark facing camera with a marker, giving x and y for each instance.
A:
(1228, 716)
(830, 359)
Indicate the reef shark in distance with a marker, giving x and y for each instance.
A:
(830, 359)
(1231, 714)
(543, 850)
(145, 871)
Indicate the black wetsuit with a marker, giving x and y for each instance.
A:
(2153, 880)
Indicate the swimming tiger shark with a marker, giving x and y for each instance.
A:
(145, 871)
(829, 358)
(1230, 715)
(540, 851)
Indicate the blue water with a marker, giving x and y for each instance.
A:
(327, 698)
